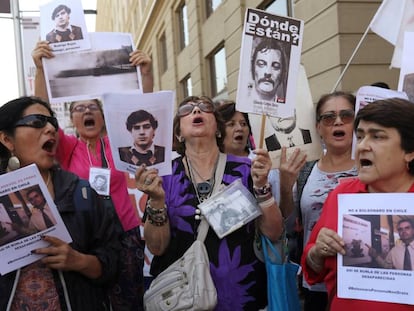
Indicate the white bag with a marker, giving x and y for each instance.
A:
(185, 285)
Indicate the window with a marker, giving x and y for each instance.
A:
(218, 72)
(280, 7)
(183, 20)
(212, 6)
(163, 53)
(187, 86)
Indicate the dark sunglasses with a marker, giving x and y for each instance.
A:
(187, 108)
(82, 108)
(328, 119)
(37, 121)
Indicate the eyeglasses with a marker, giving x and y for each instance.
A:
(82, 108)
(187, 108)
(37, 121)
(328, 119)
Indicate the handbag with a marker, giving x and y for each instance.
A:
(186, 284)
(282, 289)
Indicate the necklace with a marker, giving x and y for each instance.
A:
(204, 188)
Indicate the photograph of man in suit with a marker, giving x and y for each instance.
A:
(42, 217)
(63, 30)
(287, 134)
(269, 68)
(401, 256)
(142, 126)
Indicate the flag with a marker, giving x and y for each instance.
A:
(392, 19)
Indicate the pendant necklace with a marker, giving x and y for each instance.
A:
(204, 188)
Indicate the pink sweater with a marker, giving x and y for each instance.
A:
(72, 155)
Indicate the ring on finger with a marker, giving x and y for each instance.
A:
(325, 249)
(147, 181)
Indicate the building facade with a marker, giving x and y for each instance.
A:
(195, 44)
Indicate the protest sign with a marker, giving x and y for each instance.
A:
(25, 218)
(269, 63)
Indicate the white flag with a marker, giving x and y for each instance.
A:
(392, 19)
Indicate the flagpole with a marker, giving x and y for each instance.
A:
(351, 58)
(15, 9)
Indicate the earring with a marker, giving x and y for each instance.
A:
(218, 134)
(180, 139)
(13, 163)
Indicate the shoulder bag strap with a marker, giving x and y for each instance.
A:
(203, 227)
(103, 157)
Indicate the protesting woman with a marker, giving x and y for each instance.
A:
(239, 277)
(384, 158)
(73, 276)
(91, 150)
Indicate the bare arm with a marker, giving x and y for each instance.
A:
(156, 231)
(289, 171)
(271, 221)
(141, 59)
(41, 50)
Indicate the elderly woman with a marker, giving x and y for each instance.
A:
(238, 130)
(239, 277)
(91, 150)
(384, 157)
(72, 276)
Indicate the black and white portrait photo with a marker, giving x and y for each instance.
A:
(140, 129)
(287, 133)
(63, 25)
(142, 126)
(269, 69)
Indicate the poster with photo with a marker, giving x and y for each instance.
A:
(62, 23)
(269, 63)
(406, 81)
(88, 74)
(368, 94)
(27, 212)
(372, 270)
(230, 208)
(299, 130)
(140, 129)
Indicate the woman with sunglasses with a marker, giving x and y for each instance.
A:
(334, 124)
(384, 155)
(172, 216)
(90, 150)
(71, 276)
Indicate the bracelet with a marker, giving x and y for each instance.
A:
(265, 204)
(267, 188)
(157, 217)
(264, 197)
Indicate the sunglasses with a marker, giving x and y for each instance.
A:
(37, 121)
(328, 119)
(187, 108)
(82, 108)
